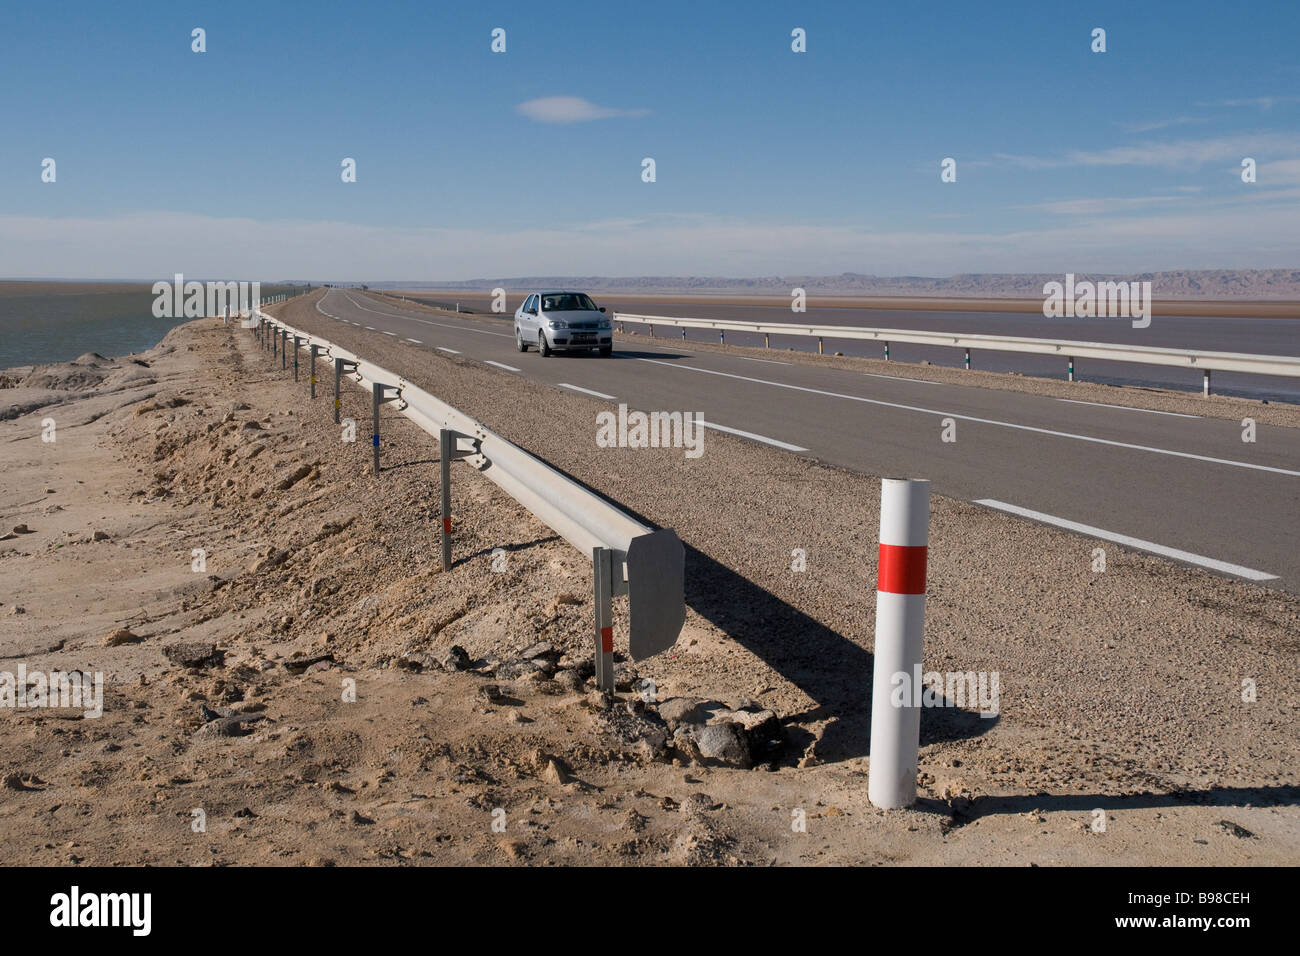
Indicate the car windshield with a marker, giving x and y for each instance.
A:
(567, 302)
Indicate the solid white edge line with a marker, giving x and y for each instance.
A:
(1127, 408)
(1138, 543)
(508, 368)
(982, 421)
(588, 391)
(743, 434)
(442, 348)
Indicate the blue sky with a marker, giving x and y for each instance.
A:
(767, 161)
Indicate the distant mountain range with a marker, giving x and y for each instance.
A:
(1176, 284)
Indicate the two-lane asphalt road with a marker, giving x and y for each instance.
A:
(1182, 486)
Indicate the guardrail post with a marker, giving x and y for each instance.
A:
(900, 639)
(968, 359)
(1205, 383)
(721, 339)
(448, 451)
(1070, 369)
(445, 441)
(652, 331)
(886, 351)
(275, 342)
(820, 350)
(340, 366)
(683, 333)
(766, 343)
(602, 564)
(297, 344)
(379, 396)
(314, 350)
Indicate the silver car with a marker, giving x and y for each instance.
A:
(562, 322)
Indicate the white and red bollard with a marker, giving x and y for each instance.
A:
(900, 637)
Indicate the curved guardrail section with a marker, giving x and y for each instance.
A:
(646, 564)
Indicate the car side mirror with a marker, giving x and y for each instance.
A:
(602, 308)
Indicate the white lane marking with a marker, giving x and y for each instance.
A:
(508, 368)
(658, 349)
(579, 388)
(1160, 549)
(1127, 408)
(768, 361)
(983, 421)
(751, 435)
(393, 334)
(416, 341)
(370, 328)
(899, 378)
(458, 328)
(411, 318)
(443, 349)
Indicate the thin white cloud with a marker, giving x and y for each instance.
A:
(156, 245)
(570, 109)
(1151, 125)
(1174, 154)
(1279, 171)
(1101, 206)
(1261, 102)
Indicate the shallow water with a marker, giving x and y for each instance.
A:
(43, 327)
(40, 329)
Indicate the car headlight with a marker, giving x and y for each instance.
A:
(604, 325)
(557, 324)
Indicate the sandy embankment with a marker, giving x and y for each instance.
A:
(1119, 691)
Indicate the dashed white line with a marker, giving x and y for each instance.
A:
(508, 368)
(983, 421)
(764, 439)
(899, 378)
(393, 334)
(369, 328)
(1127, 408)
(442, 348)
(442, 325)
(416, 341)
(1212, 563)
(579, 388)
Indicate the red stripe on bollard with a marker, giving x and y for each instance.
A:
(902, 569)
(446, 525)
(607, 640)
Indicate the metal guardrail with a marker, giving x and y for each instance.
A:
(627, 557)
(1281, 365)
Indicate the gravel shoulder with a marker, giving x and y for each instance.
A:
(1120, 691)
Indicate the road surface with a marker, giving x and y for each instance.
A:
(1183, 486)
(1259, 336)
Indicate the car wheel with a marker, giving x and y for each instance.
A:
(543, 348)
(606, 351)
(519, 340)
